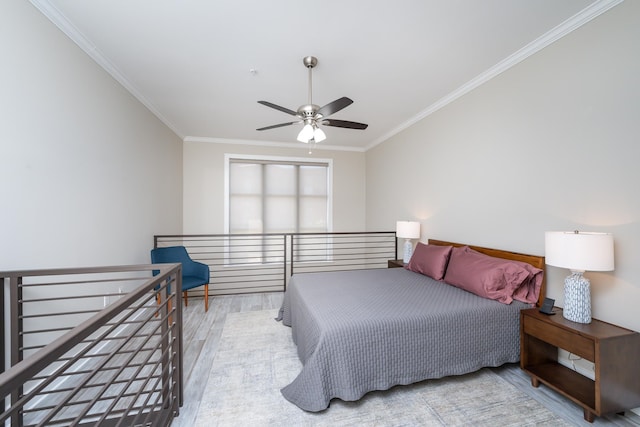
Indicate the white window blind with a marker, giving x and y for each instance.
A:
(270, 196)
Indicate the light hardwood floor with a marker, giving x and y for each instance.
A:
(202, 333)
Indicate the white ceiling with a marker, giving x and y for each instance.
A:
(190, 61)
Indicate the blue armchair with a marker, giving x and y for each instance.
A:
(194, 273)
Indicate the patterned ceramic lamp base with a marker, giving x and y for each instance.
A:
(408, 250)
(577, 298)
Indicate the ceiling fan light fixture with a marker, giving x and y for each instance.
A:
(306, 134)
(318, 135)
(310, 114)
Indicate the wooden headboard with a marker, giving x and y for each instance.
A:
(535, 260)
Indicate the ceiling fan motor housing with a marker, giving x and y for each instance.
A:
(308, 111)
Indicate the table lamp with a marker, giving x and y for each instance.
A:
(579, 252)
(407, 230)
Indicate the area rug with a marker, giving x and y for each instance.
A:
(256, 358)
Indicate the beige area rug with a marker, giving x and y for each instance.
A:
(257, 357)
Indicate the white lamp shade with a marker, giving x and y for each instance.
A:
(579, 251)
(318, 135)
(306, 133)
(408, 229)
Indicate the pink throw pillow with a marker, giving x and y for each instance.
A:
(483, 275)
(430, 260)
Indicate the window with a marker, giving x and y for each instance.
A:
(277, 195)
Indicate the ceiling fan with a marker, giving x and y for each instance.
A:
(312, 115)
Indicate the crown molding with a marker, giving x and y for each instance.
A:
(60, 21)
(576, 21)
(291, 145)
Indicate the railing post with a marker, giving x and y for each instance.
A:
(165, 320)
(395, 237)
(284, 262)
(292, 251)
(5, 321)
(178, 374)
(15, 348)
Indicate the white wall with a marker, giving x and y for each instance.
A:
(204, 184)
(551, 144)
(87, 174)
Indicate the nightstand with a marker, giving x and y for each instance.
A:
(395, 263)
(614, 351)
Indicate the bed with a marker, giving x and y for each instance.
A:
(363, 330)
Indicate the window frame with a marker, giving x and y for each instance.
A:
(228, 158)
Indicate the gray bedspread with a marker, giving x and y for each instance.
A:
(365, 330)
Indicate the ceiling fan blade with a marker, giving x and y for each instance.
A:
(279, 108)
(344, 124)
(277, 126)
(335, 106)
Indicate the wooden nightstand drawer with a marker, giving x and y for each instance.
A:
(554, 335)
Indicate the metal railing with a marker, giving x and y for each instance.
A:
(93, 346)
(245, 263)
(103, 346)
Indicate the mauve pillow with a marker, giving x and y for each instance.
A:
(430, 260)
(529, 289)
(484, 275)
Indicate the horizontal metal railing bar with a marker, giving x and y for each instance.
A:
(77, 373)
(94, 356)
(80, 312)
(183, 237)
(328, 261)
(250, 288)
(85, 401)
(331, 255)
(231, 272)
(66, 313)
(86, 282)
(75, 312)
(263, 276)
(335, 265)
(31, 300)
(239, 282)
(334, 269)
(233, 266)
(42, 331)
(229, 290)
(89, 386)
(333, 248)
(302, 257)
(337, 241)
(81, 270)
(81, 342)
(117, 413)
